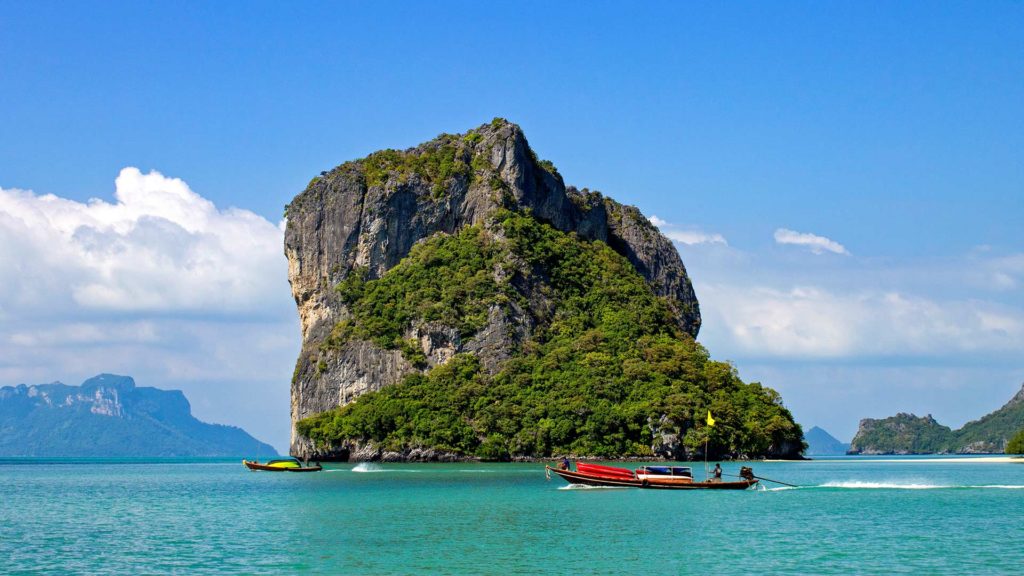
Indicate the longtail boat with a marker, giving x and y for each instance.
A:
(285, 465)
(654, 477)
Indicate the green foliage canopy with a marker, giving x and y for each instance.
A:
(606, 363)
(1016, 444)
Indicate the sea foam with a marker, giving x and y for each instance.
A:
(368, 467)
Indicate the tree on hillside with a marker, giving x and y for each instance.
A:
(1016, 444)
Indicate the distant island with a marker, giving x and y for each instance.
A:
(109, 416)
(821, 443)
(910, 434)
(458, 301)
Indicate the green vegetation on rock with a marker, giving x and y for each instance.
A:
(988, 433)
(605, 372)
(446, 279)
(1016, 444)
(903, 433)
(448, 156)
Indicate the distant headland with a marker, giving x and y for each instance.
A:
(910, 434)
(109, 416)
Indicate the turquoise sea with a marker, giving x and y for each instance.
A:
(851, 516)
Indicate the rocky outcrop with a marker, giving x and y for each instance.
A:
(900, 434)
(367, 214)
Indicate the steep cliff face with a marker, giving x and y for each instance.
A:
(363, 217)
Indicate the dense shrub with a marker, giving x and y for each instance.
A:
(446, 279)
(447, 157)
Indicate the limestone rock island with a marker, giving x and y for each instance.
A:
(458, 300)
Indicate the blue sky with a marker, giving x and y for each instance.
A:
(891, 130)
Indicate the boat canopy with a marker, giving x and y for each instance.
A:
(667, 470)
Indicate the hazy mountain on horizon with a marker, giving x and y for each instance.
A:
(821, 443)
(109, 416)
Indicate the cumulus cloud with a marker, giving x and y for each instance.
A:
(158, 247)
(158, 283)
(684, 235)
(813, 242)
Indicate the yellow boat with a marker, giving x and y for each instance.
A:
(286, 465)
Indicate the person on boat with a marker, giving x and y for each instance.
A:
(747, 473)
(717, 472)
(565, 463)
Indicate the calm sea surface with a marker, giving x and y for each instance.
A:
(922, 516)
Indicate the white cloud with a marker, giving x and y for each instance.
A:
(159, 284)
(813, 242)
(684, 235)
(73, 334)
(159, 247)
(812, 322)
(692, 237)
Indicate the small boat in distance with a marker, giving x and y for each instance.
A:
(654, 477)
(284, 465)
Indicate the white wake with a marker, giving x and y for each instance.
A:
(913, 486)
(884, 485)
(373, 467)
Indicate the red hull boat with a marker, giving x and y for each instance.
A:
(652, 477)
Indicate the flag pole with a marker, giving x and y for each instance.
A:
(706, 454)
(707, 437)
